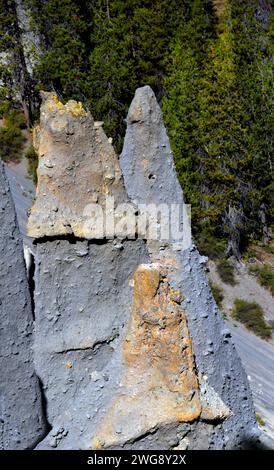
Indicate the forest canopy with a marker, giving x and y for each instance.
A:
(210, 64)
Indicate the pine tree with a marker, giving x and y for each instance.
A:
(64, 29)
(181, 105)
(16, 82)
(129, 43)
(222, 154)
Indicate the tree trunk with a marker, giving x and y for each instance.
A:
(234, 221)
(262, 213)
(22, 82)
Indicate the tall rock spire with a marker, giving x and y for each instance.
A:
(149, 174)
(129, 345)
(77, 167)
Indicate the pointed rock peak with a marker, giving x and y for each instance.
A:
(144, 107)
(78, 168)
(150, 176)
(22, 419)
(147, 161)
(159, 385)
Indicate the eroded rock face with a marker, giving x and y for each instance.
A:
(159, 385)
(115, 326)
(22, 423)
(149, 175)
(147, 161)
(83, 287)
(83, 296)
(77, 169)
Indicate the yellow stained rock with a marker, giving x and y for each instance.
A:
(76, 161)
(160, 385)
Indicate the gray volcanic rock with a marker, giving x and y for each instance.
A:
(117, 320)
(82, 298)
(21, 416)
(83, 287)
(150, 176)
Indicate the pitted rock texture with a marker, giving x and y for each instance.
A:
(148, 178)
(160, 386)
(78, 169)
(83, 296)
(149, 175)
(129, 345)
(112, 345)
(22, 423)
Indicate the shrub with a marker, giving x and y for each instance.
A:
(218, 293)
(226, 272)
(260, 420)
(32, 157)
(265, 275)
(252, 316)
(210, 246)
(11, 137)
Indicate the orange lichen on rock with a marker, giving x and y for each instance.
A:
(160, 385)
(68, 365)
(158, 335)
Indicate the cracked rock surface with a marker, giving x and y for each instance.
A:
(22, 423)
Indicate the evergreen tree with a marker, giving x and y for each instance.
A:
(64, 29)
(15, 80)
(100, 51)
(181, 105)
(222, 155)
(129, 43)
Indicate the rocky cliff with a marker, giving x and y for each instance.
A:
(22, 422)
(129, 345)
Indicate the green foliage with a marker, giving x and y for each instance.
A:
(265, 275)
(218, 293)
(99, 52)
(209, 245)
(180, 106)
(129, 41)
(252, 316)
(32, 158)
(260, 420)
(11, 136)
(218, 112)
(270, 248)
(226, 272)
(64, 29)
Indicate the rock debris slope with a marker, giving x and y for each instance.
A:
(129, 346)
(22, 423)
